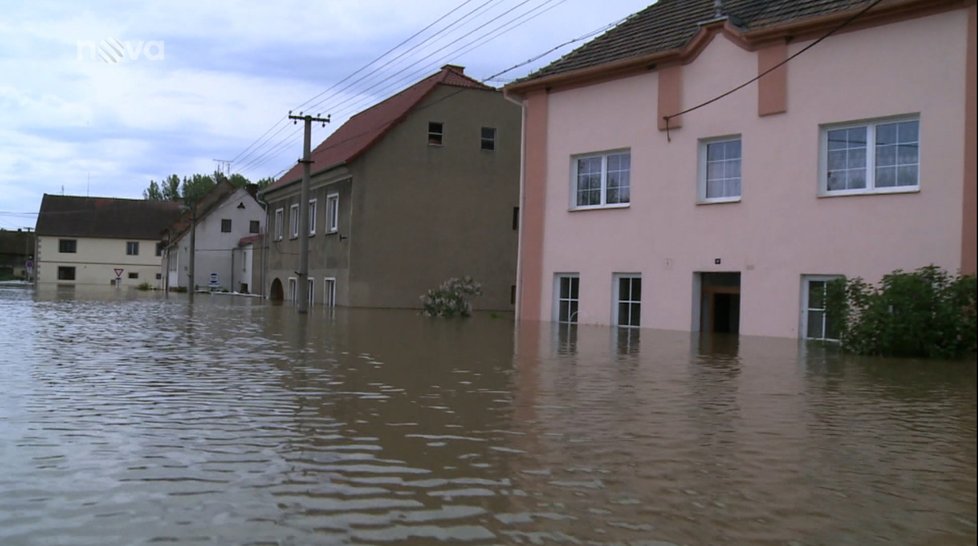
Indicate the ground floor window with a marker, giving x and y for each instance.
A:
(567, 294)
(329, 292)
(293, 290)
(628, 300)
(134, 275)
(311, 284)
(66, 273)
(816, 322)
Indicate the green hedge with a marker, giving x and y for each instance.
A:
(925, 313)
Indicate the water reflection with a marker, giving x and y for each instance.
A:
(126, 417)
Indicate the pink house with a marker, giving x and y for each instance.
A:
(855, 157)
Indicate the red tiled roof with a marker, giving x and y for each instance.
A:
(250, 239)
(104, 217)
(670, 25)
(362, 130)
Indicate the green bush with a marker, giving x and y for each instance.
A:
(925, 313)
(451, 298)
(144, 286)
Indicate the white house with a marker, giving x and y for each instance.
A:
(223, 217)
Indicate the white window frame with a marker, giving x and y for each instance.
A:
(293, 290)
(603, 156)
(870, 125)
(329, 292)
(279, 224)
(332, 212)
(559, 299)
(617, 300)
(805, 309)
(704, 170)
(311, 291)
(312, 216)
(132, 248)
(294, 221)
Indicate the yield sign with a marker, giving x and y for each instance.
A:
(118, 272)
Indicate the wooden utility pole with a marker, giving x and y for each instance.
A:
(302, 291)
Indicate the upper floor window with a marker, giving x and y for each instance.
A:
(254, 226)
(132, 248)
(225, 225)
(294, 221)
(601, 180)
(67, 246)
(719, 170)
(279, 224)
(881, 156)
(312, 216)
(332, 212)
(436, 133)
(488, 138)
(159, 248)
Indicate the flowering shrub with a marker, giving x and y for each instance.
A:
(451, 298)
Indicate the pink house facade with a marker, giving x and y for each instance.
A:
(854, 158)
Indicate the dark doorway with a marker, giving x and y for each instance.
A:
(720, 303)
(276, 293)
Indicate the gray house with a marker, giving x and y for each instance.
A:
(421, 187)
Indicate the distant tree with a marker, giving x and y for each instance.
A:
(193, 187)
(171, 188)
(153, 191)
(196, 186)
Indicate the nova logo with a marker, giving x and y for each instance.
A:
(115, 51)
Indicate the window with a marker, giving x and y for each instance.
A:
(254, 226)
(567, 288)
(132, 248)
(628, 300)
(67, 246)
(293, 290)
(134, 275)
(488, 138)
(312, 217)
(516, 218)
(66, 273)
(225, 225)
(435, 133)
(332, 212)
(159, 248)
(329, 292)
(294, 221)
(311, 291)
(875, 157)
(815, 320)
(719, 170)
(279, 224)
(159, 276)
(601, 180)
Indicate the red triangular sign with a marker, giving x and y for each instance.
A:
(118, 271)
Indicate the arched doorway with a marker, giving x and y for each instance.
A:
(276, 293)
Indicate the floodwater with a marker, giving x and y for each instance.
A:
(127, 418)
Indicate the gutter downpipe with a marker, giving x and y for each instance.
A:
(519, 232)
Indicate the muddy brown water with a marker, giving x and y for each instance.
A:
(127, 418)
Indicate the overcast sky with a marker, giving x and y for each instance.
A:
(98, 98)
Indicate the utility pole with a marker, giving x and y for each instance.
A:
(302, 291)
(223, 165)
(193, 250)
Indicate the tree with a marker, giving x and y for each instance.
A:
(197, 186)
(171, 188)
(153, 191)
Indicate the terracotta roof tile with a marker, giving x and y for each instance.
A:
(362, 130)
(671, 24)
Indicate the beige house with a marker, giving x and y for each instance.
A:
(421, 187)
(100, 240)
